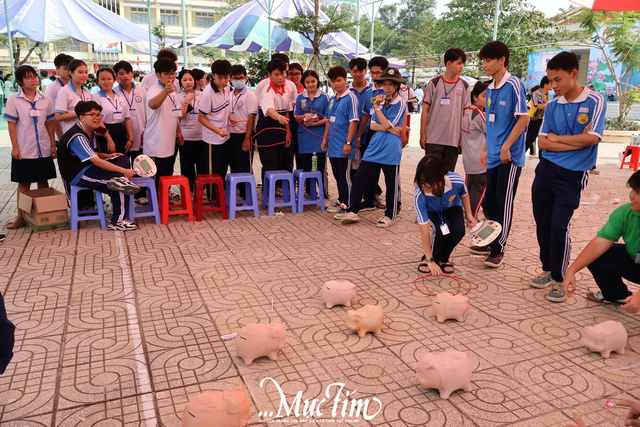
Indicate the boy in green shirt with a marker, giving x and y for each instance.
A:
(609, 261)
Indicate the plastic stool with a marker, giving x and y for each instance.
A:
(251, 201)
(219, 205)
(301, 178)
(185, 197)
(634, 162)
(88, 214)
(269, 198)
(153, 209)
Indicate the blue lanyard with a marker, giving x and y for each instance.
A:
(446, 93)
(235, 104)
(133, 94)
(493, 99)
(114, 104)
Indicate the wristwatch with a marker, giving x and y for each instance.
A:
(431, 260)
(348, 143)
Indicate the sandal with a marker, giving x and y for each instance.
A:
(423, 267)
(447, 267)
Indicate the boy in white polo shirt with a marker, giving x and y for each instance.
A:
(163, 109)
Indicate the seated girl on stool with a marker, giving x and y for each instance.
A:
(609, 261)
(438, 198)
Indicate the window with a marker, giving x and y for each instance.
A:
(169, 17)
(204, 19)
(139, 15)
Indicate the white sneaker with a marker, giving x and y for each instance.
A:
(124, 225)
(385, 221)
(342, 212)
(379, 202)
(334, 208)
(350, 218)
(123, 185)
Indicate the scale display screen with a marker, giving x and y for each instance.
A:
(145, 165)
(485, 232)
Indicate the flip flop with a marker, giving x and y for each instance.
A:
(447, 267)
(423, 268)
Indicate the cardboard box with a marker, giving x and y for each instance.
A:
(45, 209)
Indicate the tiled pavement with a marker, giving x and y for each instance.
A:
(123, 328)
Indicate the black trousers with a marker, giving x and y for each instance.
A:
(366, 177)
(290, 152)
(270, 157)
(502, 184)
(442, 245)
(476, 184)
(555, 194)
(447, 153)
(532, 133)
(7, 337)
(165, 167)
(303, 161)
(341, 167)
(189, 153)
(373, 189)
(610, 268)
(132, 156)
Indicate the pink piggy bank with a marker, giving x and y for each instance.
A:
(366, 319)
(335, 292)
(605, 337)
(218, 409)
(446, 306)
(447, 371)
(260, 339)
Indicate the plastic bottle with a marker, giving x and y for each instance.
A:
(314, 162)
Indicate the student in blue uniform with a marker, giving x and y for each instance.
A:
(311, 111)
(507, 118)
(384, 151)
(438, 198)
(572, 128)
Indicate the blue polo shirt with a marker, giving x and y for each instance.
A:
(81, 147)
(505, 104)
(386, 148)
(309, 142)
(372, 92)
(571, 118)
(342, 111)
(454, 188)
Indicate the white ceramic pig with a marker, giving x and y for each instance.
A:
(218, 409)
(336, 292)
(260, 339)
(446, 306)
(605, 337)
(366, 319)
(447, 371)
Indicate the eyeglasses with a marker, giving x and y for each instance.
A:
(295, 74)
(171, 74)
(94, 115)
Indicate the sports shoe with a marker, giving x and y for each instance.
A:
(541, 281)
(598, 297)
(342, 212)
(556, 294)
(368, 206)
(350, 218)
(2, 237)
(379, 202)
(334, 208)
(480, 250)
(143, 201)
(124, 225)
(123, 185)
(494, 261)
(385, 221)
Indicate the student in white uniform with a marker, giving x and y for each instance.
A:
(189, 125)
(151, 79)
(30, 117)
(115, 115)
(200, 77)
(61, 62)
(71, 94)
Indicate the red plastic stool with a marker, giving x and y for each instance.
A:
(634, 162)
(185, 197)
(219, 205)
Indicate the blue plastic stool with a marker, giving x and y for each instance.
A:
(312, 199)
(251, 201)
(269, 198)
(87, 214)
(152, 209)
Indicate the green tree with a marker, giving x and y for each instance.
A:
(615, 34)
(19, 44)
(160, 33)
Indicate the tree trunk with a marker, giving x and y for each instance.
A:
(316, 42)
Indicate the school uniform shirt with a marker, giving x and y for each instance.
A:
(407, 93)
(190, 126)
(66, 102)
(454, 189)
(473, 139)
(289, 86)
(279, 101)
(386, 148)
(215, 103)
(44, 83)
(135, 101)
(152, 78)
(160, 132)
(446, 101)
(114, 110)
(342, 111)
(571, 118)
(30, 117)
(307, 141)
(372, 92)
(81, 147)
(505, 103)
(53, 89)
(243, 105)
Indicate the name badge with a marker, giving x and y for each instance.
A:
(133, 113)
(34, 113)
(177, 112)
(444, 229)
(583, 110)
(502, 103)
(332, 119)
(445, 101)
(117, 114)
(492, 117)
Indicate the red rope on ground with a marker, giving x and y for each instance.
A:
(431, 293)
